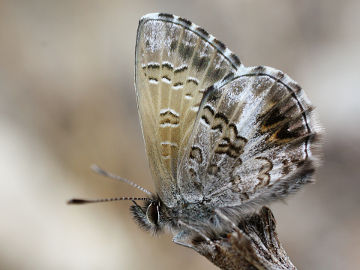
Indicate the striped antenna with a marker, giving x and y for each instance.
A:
(98, 170)
(84, 201)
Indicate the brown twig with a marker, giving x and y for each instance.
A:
(253, 245)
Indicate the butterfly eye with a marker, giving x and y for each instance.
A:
(152, 213)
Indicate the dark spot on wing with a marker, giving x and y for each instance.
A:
(185, 51)
(219, 44)
(153, 79)
(208, 90)
(178, 84)
(233, 145)
(173, 45)
(207, 114)
(152, 66)
(201, 62)
(169, 117)
(166, 78)
(185, 21)
(220, 121)
(196, 154)
(166, 15)
(192, 173)
(284, 133)
(213, 95)
(280, 75)
(180, 69)
(203, 31)
(259, 69)
(167, 65)
(235, 59)
(273, 118)
(192, 81)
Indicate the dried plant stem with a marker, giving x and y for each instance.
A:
(253, 245)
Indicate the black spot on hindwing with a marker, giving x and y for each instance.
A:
(207, 114)
(196, 154)
(231, 144)
(220, 121)
(275, 117)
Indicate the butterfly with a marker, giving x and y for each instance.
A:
(222, 139)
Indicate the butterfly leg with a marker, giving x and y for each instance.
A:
(189, 234)
(180, 237)
(191, 228)
(226, 219)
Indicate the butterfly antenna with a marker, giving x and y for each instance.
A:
(85, 201)
(100, 171)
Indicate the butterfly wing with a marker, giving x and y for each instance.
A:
(253, 141)
(175, 62)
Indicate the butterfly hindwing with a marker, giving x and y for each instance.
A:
(175, 62)
(253, 141)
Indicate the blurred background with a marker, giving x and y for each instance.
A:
(67, 100)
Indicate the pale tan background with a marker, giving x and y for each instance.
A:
(67, 100)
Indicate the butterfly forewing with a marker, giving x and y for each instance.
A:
(253, 141)
(176, 61)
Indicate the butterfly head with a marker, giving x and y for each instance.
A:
(150, 216)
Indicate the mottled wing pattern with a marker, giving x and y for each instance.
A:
(175, 62)
(253, 141)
